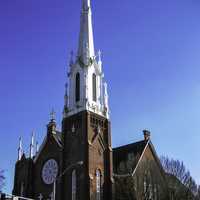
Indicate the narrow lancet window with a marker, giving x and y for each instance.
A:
(73, 185)
(98, 185)
(77, 92)
(94, 87)
(22, 189)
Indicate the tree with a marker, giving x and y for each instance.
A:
(180, 182)
(2, 179)
(198, 193)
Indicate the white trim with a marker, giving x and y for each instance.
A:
(18, 197)
(156, 157)
(140, 158)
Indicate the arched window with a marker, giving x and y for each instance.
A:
(98, 185)
(94, 87)
(150, 191)
(145, 185)
(155, 192)
(77, 89)
(73, 185)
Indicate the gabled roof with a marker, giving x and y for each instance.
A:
(57, 137)
(138, 149)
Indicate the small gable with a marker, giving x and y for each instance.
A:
(51, 143)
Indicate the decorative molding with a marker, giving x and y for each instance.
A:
(82, 64)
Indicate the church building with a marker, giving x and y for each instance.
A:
(77, 162)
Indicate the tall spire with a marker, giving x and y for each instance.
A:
(86, 41)
(86, 78)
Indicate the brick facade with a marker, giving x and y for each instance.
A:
(85, 137)
(90, 142)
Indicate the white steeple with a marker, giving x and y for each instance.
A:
(85, 78)
(86, 41)
(20, 150)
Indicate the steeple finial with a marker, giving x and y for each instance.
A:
(86, 41)
(65, 110)
(20, 150)
(32, 146)
(99, 56)
(106, 97)
(52, 115)
(99, 60)
(51, 126)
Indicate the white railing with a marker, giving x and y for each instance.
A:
(17, 197)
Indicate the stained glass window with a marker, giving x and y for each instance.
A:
(22, 189)
(98, 184)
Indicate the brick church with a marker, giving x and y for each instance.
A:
(78, 162)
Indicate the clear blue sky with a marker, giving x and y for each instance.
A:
(151, 56)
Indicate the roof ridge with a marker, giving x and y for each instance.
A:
(127, 145)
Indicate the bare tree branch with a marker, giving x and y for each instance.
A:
(2, 179)
(179, 179)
